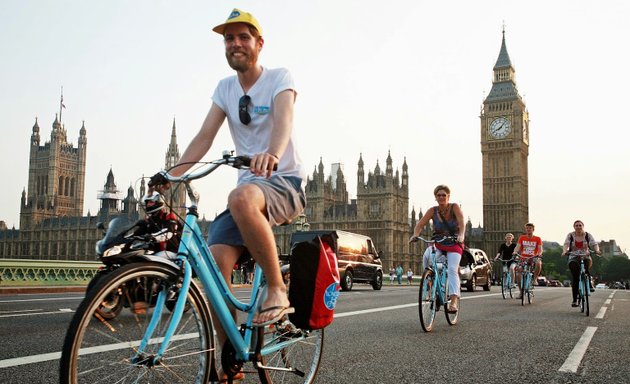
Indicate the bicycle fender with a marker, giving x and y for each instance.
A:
(164, 257)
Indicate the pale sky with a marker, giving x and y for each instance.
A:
(407, 77)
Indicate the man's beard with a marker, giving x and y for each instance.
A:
(240, 64)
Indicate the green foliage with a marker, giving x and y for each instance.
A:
(615, 268)
(555, 265)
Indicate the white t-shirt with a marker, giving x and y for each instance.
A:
(254, 138)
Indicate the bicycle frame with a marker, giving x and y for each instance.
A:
(194, 252)
(583, 287)
(527, 274)
(440, 276)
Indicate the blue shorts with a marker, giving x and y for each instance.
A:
(285, 201)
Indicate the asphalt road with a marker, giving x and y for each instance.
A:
(376, 338)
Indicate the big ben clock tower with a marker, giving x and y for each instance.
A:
(504, 149)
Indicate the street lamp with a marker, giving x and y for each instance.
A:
(301, 224)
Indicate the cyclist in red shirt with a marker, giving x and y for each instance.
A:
(529, 246)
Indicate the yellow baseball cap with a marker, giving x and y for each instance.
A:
(238, 16)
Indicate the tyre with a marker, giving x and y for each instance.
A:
(488, 282)
(297, 362)
(523, 290)
(377, 283)
(426, 301)
(100, 350)
(505, 285)
(472, 283)
(347, 281)
(530, 293)
(584, 295)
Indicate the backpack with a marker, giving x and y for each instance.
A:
(314, 284)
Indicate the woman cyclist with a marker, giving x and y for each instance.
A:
(577, 244)
(448, 220)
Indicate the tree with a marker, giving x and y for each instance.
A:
(616, 268)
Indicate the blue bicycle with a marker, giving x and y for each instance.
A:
(527, 278)
(507, 285)
(433, 288)
(152, 344)
(584, 287)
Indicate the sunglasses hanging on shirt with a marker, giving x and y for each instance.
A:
(243, 115)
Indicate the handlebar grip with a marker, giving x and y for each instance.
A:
(245, 161)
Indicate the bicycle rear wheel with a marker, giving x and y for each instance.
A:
(297, 362)
(451, 318)
(99, 350)
(426, 301)
(504, 285)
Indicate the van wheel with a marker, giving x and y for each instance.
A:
(472, 283)
(488, 283)
(377, 283)
(347, 281)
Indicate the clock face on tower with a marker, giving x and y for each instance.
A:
(499, 128)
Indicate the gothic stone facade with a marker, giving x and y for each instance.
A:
(51, 223)
(380, 210)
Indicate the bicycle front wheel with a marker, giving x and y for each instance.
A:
(100, 350)
(296, 362)
(585, 291)
(504, 285)
(426, 301)
(524, 284)
(530, 292)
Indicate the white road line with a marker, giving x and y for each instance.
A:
(607, 302)
(29, 359)
(572, 362)
(601, 313)
(42, 299)
(22, 311)
(381, 309)
(37, 313)
(86, 351)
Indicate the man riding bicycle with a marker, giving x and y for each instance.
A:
(258, 105)
(529, 246)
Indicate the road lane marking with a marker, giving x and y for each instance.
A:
(86, 351)
(390, 308)
(36, 314)
(607, 302)
(572, 362)
(601, 313)
(20, 311)
(42, 299)
(29, 359)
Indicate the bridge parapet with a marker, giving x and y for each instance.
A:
(29, 273)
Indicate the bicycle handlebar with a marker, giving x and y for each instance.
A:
(238, 162)
(443, 239)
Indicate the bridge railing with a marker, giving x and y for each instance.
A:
(42, 273)
(29, 273)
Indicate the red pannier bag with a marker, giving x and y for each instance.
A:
(314, 284)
